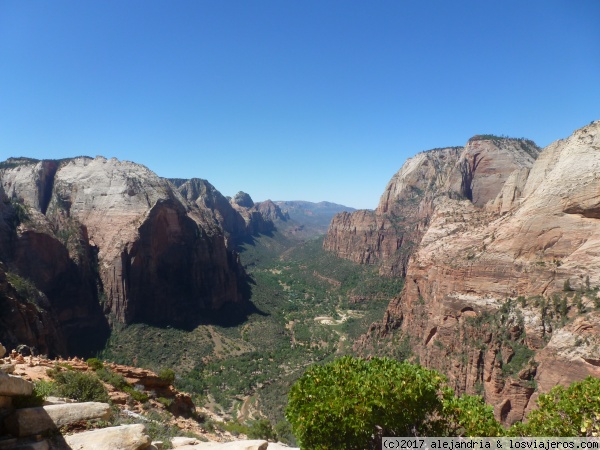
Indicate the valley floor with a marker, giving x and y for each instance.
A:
(310, 306)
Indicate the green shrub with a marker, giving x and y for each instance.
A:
(468, 416)
(80, 386)
(166, 402)
(235, 428)
(95, 364)
(261, 429)
(283, 431)
(138, 396)
(167, 375)
(114, 379)
(339, 405)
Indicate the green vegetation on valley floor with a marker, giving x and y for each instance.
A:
(310, 307)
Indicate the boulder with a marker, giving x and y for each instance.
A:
(12, 386)
(30, 421)
(123, 437)
(181, 441)
(7, 368)
(280, 446)
(2, 351)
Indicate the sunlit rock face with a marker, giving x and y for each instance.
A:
(109, 237)
(529, 231)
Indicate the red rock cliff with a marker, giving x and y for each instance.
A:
(111, 235)
(499, 292)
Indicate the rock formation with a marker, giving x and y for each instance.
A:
(239, 217)
(499, 292)
(28, 318)
(40, 427)
(106, 237)
(258, 217)
(390, 234)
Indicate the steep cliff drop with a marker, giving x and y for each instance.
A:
(107, 240)
(501, 282)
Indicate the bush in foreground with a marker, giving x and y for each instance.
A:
(345, 404)
(80, 386)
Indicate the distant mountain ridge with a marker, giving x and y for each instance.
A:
(314, 217)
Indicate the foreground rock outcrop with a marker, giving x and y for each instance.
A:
(22, 428)
(500, 291)
(123, 437)
(63, 424)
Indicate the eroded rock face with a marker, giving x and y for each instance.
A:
(27, 319)
(271, 211)
(240, 218)
(526, 236)
(391, 233)
(31, 421)
(258, 217)
(108, 236)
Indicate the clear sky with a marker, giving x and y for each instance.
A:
(291, 99)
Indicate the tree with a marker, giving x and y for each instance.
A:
(345, 404)
(468, 416)
(261, 429)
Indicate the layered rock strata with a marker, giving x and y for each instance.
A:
(101, 236)
(500, 291)
(391, 233)
(239, 216)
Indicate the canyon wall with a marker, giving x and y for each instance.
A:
(239, 217)
(501, 285)
(391, 233)
(107, 238)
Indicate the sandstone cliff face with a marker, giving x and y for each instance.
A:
(239, 217)
(527, 237)
(390, 234)
(27, 320)
(111, 236)
(257, 219)
(271, 211)
(56, 260)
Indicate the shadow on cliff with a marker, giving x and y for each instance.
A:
(252, 239)
(229, 315)
(235, 314)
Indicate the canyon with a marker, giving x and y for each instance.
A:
(102, 241)
(498, 242)
(480, 261)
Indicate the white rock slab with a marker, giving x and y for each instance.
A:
(30, 421)
(11, 385)
(123, 437)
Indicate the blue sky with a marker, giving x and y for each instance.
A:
(289, 99)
